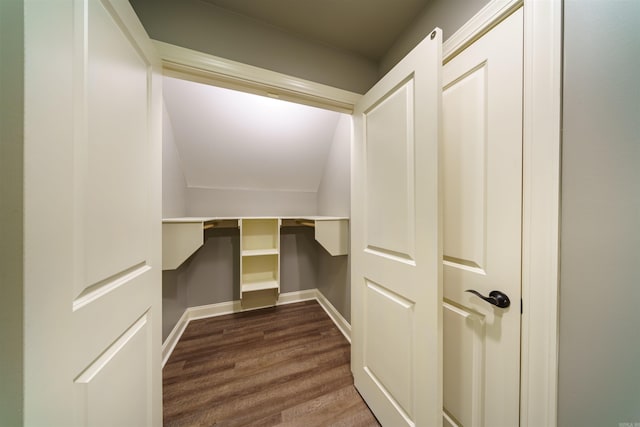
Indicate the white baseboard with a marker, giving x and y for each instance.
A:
(298, 296)
(335, 315)
(229, 307)
(211, 310)
(174, 336)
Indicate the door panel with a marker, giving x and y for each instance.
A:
(390, 197)
(463, 365)
(387, 344)
(116, 305)
(100, 392)
(465, 102)
(396, 244)
(482, 164)
(116, 174)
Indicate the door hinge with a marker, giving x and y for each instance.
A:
(521, 304)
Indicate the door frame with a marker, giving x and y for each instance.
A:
(541, 167)
(542, 87)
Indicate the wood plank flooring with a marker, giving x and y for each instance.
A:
(280, 366)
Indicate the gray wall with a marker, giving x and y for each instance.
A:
(207, 28)
(448, 15)
(174, 299)
(599, 368)
(334, 192)
(204, 27)
(298, 259)
(209, 276)
(174, 185)
(334, 200)
(212, 274)
(11, 211)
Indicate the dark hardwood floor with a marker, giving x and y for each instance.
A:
(280, 366)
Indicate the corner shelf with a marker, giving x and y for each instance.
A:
(181, 237)
(331, 232)
(260, 286)
(333, 235)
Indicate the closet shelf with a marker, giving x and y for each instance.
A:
(181, 237)
(259, 252)
(259, 286)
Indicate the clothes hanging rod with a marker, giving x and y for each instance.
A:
(306, 223)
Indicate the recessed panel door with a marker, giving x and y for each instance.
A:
(94, 211)
(117, 285)
(482, 171)
(396, 251)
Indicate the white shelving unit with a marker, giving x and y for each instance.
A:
(181, 237)
(259, 256)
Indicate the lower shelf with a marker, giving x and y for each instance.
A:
(259, 286)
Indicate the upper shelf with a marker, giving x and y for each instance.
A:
(181, 237)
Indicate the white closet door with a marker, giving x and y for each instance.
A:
(482, 146)
(396, 247)
(93, 217)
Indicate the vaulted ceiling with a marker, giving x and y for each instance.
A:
(233, 140)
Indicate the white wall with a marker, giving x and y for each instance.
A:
(11, 211)
(334, 200)
(240, 154)
(207, 28)
(174, 204)
(234, 203)
(173, 182)
(334, 190)
(448, 15)
(599, 367)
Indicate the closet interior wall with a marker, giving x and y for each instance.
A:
(211, 275)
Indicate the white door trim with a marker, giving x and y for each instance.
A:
(541, 193)
(200, 67)
(541, 211)
(488, 17)
(541, 167)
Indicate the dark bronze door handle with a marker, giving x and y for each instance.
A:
(496, 298)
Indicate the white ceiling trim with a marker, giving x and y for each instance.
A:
(200, 67)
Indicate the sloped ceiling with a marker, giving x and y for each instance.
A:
(233, 140)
